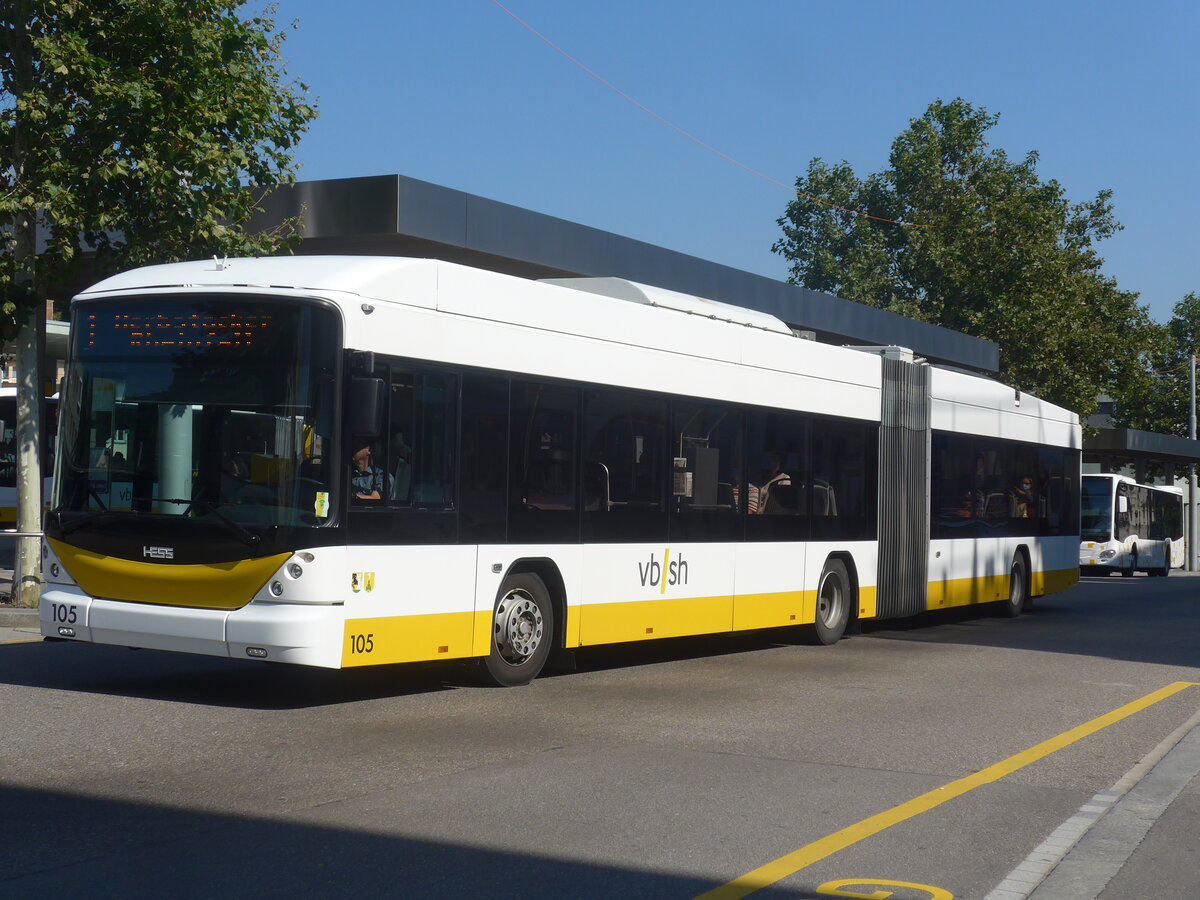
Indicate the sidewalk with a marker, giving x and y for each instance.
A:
(1136, 839)
(12, 616)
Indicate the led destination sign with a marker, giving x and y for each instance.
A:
(185, 330)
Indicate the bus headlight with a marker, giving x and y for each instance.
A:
(276, 589)
(1107, 554)
(295, 570)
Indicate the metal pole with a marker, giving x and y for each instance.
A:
(1191, 538)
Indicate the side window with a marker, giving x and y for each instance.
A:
(543, 477)
(1057, 485)
(8, 444)
(706, 443)
(435, 429)
(778, 470)
(626, 466)
(483, 471)
(844, 473)
(412, 464)
(708, 481)
(778, 462)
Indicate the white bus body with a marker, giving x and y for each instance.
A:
(561, 468)
(8, 459)
(1129, 527)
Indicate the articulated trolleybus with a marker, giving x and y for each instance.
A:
(350, 461)
(1129, 527)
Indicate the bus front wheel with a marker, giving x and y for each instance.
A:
(1128, 573)
(833, 605)
(522, 631)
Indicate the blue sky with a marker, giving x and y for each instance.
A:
(457, 93)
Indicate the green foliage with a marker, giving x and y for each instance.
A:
(985, 247)
(1159, 398)
(142, 130)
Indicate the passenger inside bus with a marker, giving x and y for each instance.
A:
(776, 495)
(1023, 498)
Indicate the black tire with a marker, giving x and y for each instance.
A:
(834, 596)
(522, 631)
(1128, 573)
(1018, 589)
(1166, 566)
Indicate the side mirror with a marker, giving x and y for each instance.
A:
(364, 406)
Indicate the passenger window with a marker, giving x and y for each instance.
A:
(706, 472)
(626, 466)
(625, 451)
(544, 478)
(778, 465)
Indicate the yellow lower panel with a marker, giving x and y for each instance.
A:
(612, 623)
(1052, 582)
(772, 610)
(213, 586)
(399, 639)
(967, 591)
(867, 606)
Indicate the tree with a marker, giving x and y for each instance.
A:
(955, 233)
(1159, 399)
(134, 131)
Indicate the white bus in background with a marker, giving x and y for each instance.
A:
(352, 461)
(8, 464)
(1129, 527)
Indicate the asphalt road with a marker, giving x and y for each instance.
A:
(942, 753)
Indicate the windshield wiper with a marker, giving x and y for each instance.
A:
(95, 518)
(247, 537)
(104, 515)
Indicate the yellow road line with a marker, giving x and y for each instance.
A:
(32, 640)
(816, 851)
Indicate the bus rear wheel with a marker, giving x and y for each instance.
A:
(522, 631)
(1165, 569)
(833, 605)
(1018, 589)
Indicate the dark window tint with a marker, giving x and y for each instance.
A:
(983, 486)
(484, 458)
(842, 492)
(777, 458)
(707, 472)
(544, 479)
(625, 466)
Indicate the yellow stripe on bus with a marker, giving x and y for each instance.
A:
(988, 588)
(645, 620)
(400, 639)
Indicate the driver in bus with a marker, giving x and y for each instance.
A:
(368, 481)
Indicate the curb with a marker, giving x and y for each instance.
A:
(1029, 879)
(13, 617)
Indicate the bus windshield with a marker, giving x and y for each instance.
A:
(201, 406)
(1095, 509)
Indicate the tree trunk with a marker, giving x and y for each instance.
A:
(27, 584)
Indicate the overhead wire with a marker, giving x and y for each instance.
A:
(729, 159)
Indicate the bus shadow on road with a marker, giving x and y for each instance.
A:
(1142, 619)
(85, 847)
(212, 681)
